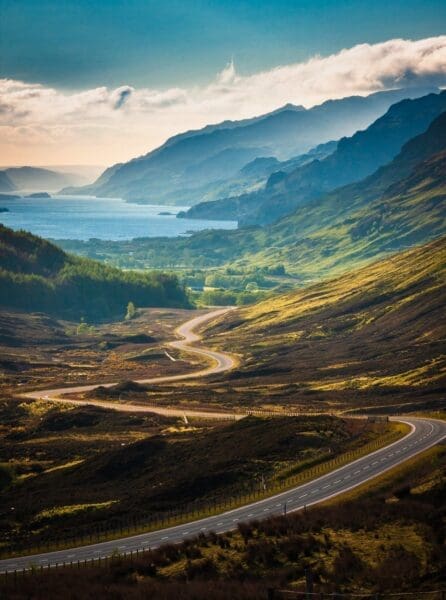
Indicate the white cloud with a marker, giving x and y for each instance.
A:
(44, 125)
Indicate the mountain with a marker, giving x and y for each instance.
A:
(183, 170)
(374, 336)
(35, 178)
(401, 204)
(255, 174)
(354, 158)
(36, 275)
(6, 185)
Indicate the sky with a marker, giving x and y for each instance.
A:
(102, 81)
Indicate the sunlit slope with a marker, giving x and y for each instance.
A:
(349, 228)
(378, 331)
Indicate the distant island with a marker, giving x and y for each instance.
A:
(165, 213)
(38, 195)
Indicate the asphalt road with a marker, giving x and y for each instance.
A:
(220, 362)
(424, 434)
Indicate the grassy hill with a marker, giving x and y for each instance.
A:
(36, 275)
(160, 471)
(374, 336)
(380, 542)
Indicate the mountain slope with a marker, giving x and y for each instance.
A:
(172, 173)
(38, 179)
(401, 204)
(6, 185)
(354, 158)
(373, 336)
(38, 276)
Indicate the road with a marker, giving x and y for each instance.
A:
(424, 434)
(220, 362)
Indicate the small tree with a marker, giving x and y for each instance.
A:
(83, 328)
(252, 286)
(131, 311)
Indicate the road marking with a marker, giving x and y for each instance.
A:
(166, 537)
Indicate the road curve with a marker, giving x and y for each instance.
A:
(220, 362)
(424, 434)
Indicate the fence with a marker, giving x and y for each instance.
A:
(116, 528)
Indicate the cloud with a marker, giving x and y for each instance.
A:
(108, 125)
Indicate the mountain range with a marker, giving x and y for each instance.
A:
(196, 165)
(353, 159)
(400, 205)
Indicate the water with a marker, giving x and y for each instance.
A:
(82, 218)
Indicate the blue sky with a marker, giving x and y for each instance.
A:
(76, 44)
(102, 81)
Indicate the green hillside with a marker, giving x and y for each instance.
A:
(373, 336)
(36, 275)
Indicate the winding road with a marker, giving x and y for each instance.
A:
(220, 362)
(424, 434)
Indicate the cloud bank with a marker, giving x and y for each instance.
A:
(42, 125)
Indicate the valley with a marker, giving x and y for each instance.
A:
(222, 361)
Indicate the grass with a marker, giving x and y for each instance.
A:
(386, 539)
(373, 336)
(282, 479)
(71, 509)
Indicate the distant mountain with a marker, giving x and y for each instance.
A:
(37, 179)
(182, 170)
(354, 158)
(256, 174)
(400, 205)
(36, 275)
(6, 185)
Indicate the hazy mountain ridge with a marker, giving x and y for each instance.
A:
(400, 204)
(354, 158)
(36, 178)
(162, 176)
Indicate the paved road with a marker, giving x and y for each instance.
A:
(220, 362)
(424, 434)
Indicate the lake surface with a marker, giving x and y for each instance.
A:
(82, 218)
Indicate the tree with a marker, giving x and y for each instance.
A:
(252, 286)
(131, 311)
